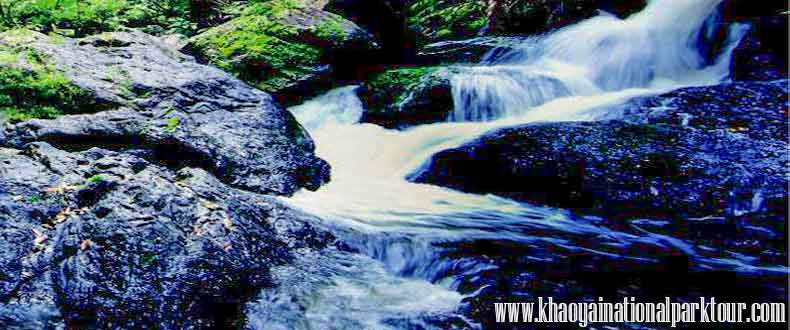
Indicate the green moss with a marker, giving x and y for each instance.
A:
(406, 77)
(30, 87)
(94, 179)
(37, 93)
(260, 50)
(122, 79)
(446, 19)
(330, 29)
(172, 124)
(395, 85)
(16, 115)
(33, 199)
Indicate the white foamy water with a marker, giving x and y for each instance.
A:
(342, 291)
(573, 74)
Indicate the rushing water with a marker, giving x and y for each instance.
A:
(401, 275)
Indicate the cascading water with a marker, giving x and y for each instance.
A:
(603, 54)
(573, 74)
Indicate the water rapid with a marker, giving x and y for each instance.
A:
(401, 228)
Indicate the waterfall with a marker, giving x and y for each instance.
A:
(658, 47)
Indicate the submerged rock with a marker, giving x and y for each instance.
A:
(180, 112)
(103, 239)
(399, 98)
(711, 151)
(284, 47)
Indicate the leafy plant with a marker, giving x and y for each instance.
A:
(70, 17)
(84, 17)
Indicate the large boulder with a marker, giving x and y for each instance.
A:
(689, 179)
(135, 92)
(691, 176)
(284, 47)
(695, 153)
(104, 239)
(403, 97)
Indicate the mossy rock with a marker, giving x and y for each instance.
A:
(280, 46)
(30, 85)
(440, 20)
(436, 20)
(403, 97)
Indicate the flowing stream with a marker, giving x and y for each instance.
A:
(402, 278)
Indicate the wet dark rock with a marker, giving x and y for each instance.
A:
(468, 51)
(180, 112)
(106, 239)
(763, 52)
(756, 109)
(404, 97)
(729, 160)
(762, 55)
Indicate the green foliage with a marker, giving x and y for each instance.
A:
(35, 89)
(79, 18)
(272, 8)
(70, 17)
(161, 16)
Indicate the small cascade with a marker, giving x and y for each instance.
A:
(338, 107)
(602, 54)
